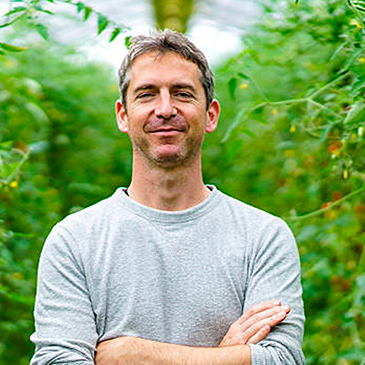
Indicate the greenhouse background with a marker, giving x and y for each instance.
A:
(290, 76)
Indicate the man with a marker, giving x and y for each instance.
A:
(170, 270)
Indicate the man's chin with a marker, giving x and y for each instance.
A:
(170, 161)
(169, 156)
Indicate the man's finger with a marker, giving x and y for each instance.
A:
(258, 308)
(254, 327)
(260, 335)
(271, 316)
(255, 324)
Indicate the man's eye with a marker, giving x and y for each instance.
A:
(145, 95)
(183, 94)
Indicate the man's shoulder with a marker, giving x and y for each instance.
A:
(88, 216)
(248, 211)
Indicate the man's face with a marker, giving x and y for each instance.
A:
(167, 115)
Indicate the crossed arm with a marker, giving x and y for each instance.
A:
(250, 328)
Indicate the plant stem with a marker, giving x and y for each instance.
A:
(329, 84)
(331, 205)
(323, 107)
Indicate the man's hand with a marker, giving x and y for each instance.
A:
(255, 324)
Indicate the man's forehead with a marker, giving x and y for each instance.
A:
(154, 67)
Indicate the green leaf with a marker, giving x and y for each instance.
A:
(42, 30)
(39, 147)
(354, 111)
(358, 85)
(2, 53)
(15, 10)
(253, 53)
(80, 7)
(240, 115)
(296, 2)
(249, 133)
(47, 11)
(351, 59)
(6, 144)
(102, 23)
(255, 56)
(339, 49)
(127, 41)
(232, 85)
(325, 132)
(358, 7)
(39, 8)
(115, 34)
(11, 48)
(36, 111)
(243, 76)
(87, 13)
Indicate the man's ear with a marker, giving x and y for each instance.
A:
(212, 116)
(122, 118)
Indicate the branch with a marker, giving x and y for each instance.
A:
(323, 107)
(329, 84)
(308, 99)
(330, 205)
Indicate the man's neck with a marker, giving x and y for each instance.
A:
(172, 190)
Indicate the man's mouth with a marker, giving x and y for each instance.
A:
(167, 132)
(168, 128)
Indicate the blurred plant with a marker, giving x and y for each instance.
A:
(294, 111)
(51, 114)
(293, 139)
(30, 11)
(62, 154)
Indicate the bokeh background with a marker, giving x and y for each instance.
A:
(290, 76)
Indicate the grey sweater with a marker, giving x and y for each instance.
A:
(119, 268)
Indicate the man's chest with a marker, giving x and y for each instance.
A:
(179, 287)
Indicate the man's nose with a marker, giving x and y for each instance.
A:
(165, 108)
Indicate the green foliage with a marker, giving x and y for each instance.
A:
(29, 11)
(47, 107)
(65, 154)
(292, 142)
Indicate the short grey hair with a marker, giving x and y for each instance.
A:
(163, 42)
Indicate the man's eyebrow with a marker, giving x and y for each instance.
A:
(144, 87)
(184, 86)
(176, 86)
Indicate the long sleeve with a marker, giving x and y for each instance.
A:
(275, 274)
(64, 319)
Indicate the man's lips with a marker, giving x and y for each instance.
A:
(166, 132)
(168, 127)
